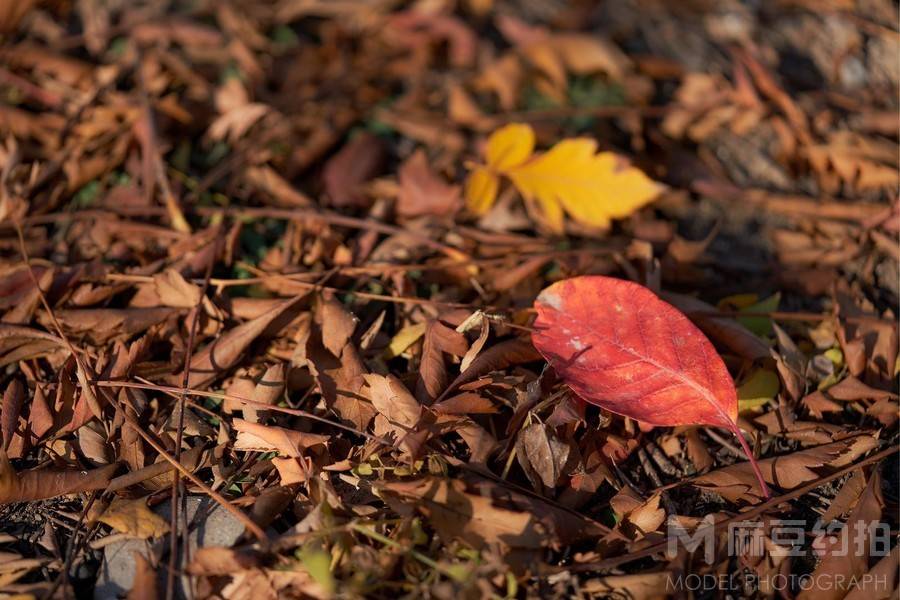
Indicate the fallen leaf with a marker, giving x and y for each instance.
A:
(439, 340)
(144, 586)
(760, 387)
(265, 438)
(498, 356)
(225, 351)
(391, 398)
(835, 560)
(357, 162)
(727, 332)
(175, 291)
(617, 345)
(132, 517)
(880, 582)
(422, 191)
(541, 452)
(338, 324)
(476, 518)
(47, 483)
(737, 482)
(405, 338)
(465, 403)
(572, 177)
(13, 399)
(507, 147)
(268, 390)
(215, 560)
(103, 324)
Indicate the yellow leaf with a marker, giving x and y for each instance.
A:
(134, 518)
(405, 338)
(509, 146)
(758, 389)
(481, 190)
(592, 188)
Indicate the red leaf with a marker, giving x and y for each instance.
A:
(619, 346)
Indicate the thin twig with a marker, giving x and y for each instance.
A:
(176, 481)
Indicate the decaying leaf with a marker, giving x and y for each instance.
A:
(223, 352)
(476, 518)
(737, 482)
(422, 192)
(541, 452)
(265, 438)
(132, 517)
(48, 483)
(391, 398)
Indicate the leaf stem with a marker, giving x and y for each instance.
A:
(759, 476)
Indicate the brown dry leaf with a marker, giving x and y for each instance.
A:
(439, 340)
(47, 483)
(13, 399)
(499, 356)
(465, 403)
(417, 28)
(224, 352)
(479, 440)
(132, 517)
(781, 422)
(542, 453)
(860, 163)
(737, 482)
(293, 470)
(175, 291)
(697, 451)
(391, 398)
(144, 586)
(103, 324)
(835, 559)
(881, 582)
(637, 517)
(423, 192)
(849, 389)
(847, 496)
(268, 390)
(223, 561)
(235, 123)
(357, 162)
(579, 54)
(266, 438)
(478, 520)
(341, 381)
(337, 323)
(502, 77)
(478, 344)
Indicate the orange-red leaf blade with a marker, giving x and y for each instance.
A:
(621, 347)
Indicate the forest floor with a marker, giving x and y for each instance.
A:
(273, 265)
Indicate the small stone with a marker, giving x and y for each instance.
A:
(116, 574)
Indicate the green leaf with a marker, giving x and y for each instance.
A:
(761, 326)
